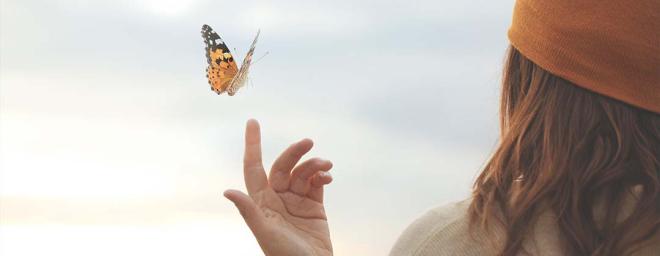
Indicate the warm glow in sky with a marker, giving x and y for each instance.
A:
(111, 142)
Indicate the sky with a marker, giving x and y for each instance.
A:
(112, 143)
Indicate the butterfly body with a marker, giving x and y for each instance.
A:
(222, 72)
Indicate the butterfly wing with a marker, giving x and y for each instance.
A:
(222, 68)
(241, 77)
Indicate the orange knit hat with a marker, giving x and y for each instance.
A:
(611, 47)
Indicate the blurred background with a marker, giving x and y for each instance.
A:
(112, 143)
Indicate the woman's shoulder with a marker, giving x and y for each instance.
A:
(443, 230)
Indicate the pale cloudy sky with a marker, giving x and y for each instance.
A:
(111, 142)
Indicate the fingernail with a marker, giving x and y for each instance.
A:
(226, 195)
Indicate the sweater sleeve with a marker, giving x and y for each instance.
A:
(422, 235)
(444, 231)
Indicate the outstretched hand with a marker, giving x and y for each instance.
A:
(284, 210)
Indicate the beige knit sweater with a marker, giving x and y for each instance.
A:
(444, 231)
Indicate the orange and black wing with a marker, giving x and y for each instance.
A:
(222, 68)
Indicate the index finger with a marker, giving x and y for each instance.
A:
(253, 170)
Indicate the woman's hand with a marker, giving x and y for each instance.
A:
(284, 210)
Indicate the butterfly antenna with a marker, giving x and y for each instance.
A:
(262, 56)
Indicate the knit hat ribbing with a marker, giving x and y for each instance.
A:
(606, 46)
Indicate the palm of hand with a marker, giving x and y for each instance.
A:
(296, 218)
(284, 210)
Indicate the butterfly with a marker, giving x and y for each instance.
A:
(222, 73)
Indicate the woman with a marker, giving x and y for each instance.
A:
(577, 169)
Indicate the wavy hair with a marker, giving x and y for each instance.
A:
(565, 149)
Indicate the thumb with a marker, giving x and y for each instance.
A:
(251, 213)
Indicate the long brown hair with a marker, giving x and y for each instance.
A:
(564, 149)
